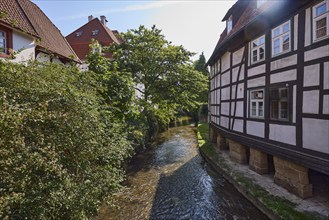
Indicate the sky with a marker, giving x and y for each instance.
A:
(194, 24)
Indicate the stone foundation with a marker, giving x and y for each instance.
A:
(221, 142)
(238, 152)
(258, 161)
(293, 177)
(211, 134)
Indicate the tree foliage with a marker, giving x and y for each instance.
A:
(61, 154)
(200, 65)
(162, 73)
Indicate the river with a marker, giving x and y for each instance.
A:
(172, 181)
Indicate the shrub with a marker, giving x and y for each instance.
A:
(61, 154)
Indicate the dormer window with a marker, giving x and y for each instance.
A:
(260, 3)
(78, 34)
(229, 24)
(94, 32)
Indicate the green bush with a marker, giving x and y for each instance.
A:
(61, 154)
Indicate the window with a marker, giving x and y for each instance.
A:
(257, 103)
(258, 49)
(79, 33)
(3, 45)
(279, 106)
(95, 32)
(97, 48)
(321, 21)
(260, 3)
(281, 39)
(229, 24)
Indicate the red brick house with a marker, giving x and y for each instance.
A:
(94, 29)
(25, 29)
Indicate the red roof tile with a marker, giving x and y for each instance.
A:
(105, 37)
(32, 20)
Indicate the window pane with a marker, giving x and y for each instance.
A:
(262, 40)
(254, 55)
(321, 27)
(285, 45)
(320, 9)
(286, 28)
(261, 53)
(274, 110)
(255, 43)
(2, 34)
(284, 110)
(284, 93)
(274, 94)
(253, 108)
(260, 109)
(276, 32)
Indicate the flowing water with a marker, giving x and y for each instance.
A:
(172, 181)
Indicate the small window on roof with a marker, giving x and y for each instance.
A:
(79, 33)
(95, 32)
(229, 24)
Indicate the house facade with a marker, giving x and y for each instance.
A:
(269, 90)
(96, 29)
(26, 33)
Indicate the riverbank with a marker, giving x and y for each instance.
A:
(272, 200)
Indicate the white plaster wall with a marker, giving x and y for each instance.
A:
(226, 78)
(43, 57)
(235, 73)
(256, 70)
(255, 128)
(237, 56)
(256, 82)
(239, 108)
(317, 53)
(295, 32)
(218, 96)
(57, 60)
(307, 27)
(285, 76)
(224, 121)
(238, 125)
(283, 133)
(315, 134)
(26, 44)
(326, 75)
(326, 105)
(218, 80)
(284, 62)
(226, 61)
(225, 107)
(311, 101)
(239, 91)
(226, 93)
(312, 75)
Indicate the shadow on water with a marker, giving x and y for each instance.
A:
(171, 181)
(196, 191)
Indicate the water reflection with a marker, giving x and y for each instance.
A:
(173, 182)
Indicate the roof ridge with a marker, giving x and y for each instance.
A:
(81, 26)
(29, 20)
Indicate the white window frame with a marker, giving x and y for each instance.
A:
(280, 37)
(319, 17)
(257, 48)
(279, 100)
(257, 101)
(95, 32)
(97, 48)
(229, 24)
(4, 40)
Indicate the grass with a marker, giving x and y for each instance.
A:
(280, 206)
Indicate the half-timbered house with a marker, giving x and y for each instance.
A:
(269, 90)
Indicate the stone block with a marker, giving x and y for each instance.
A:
(258, 161)
(238, 152)
(292, 177)
(221, 142)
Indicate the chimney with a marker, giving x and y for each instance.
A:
(90, 17)
(103, 20)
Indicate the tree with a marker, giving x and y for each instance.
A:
(162, 73)
(200, 65)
